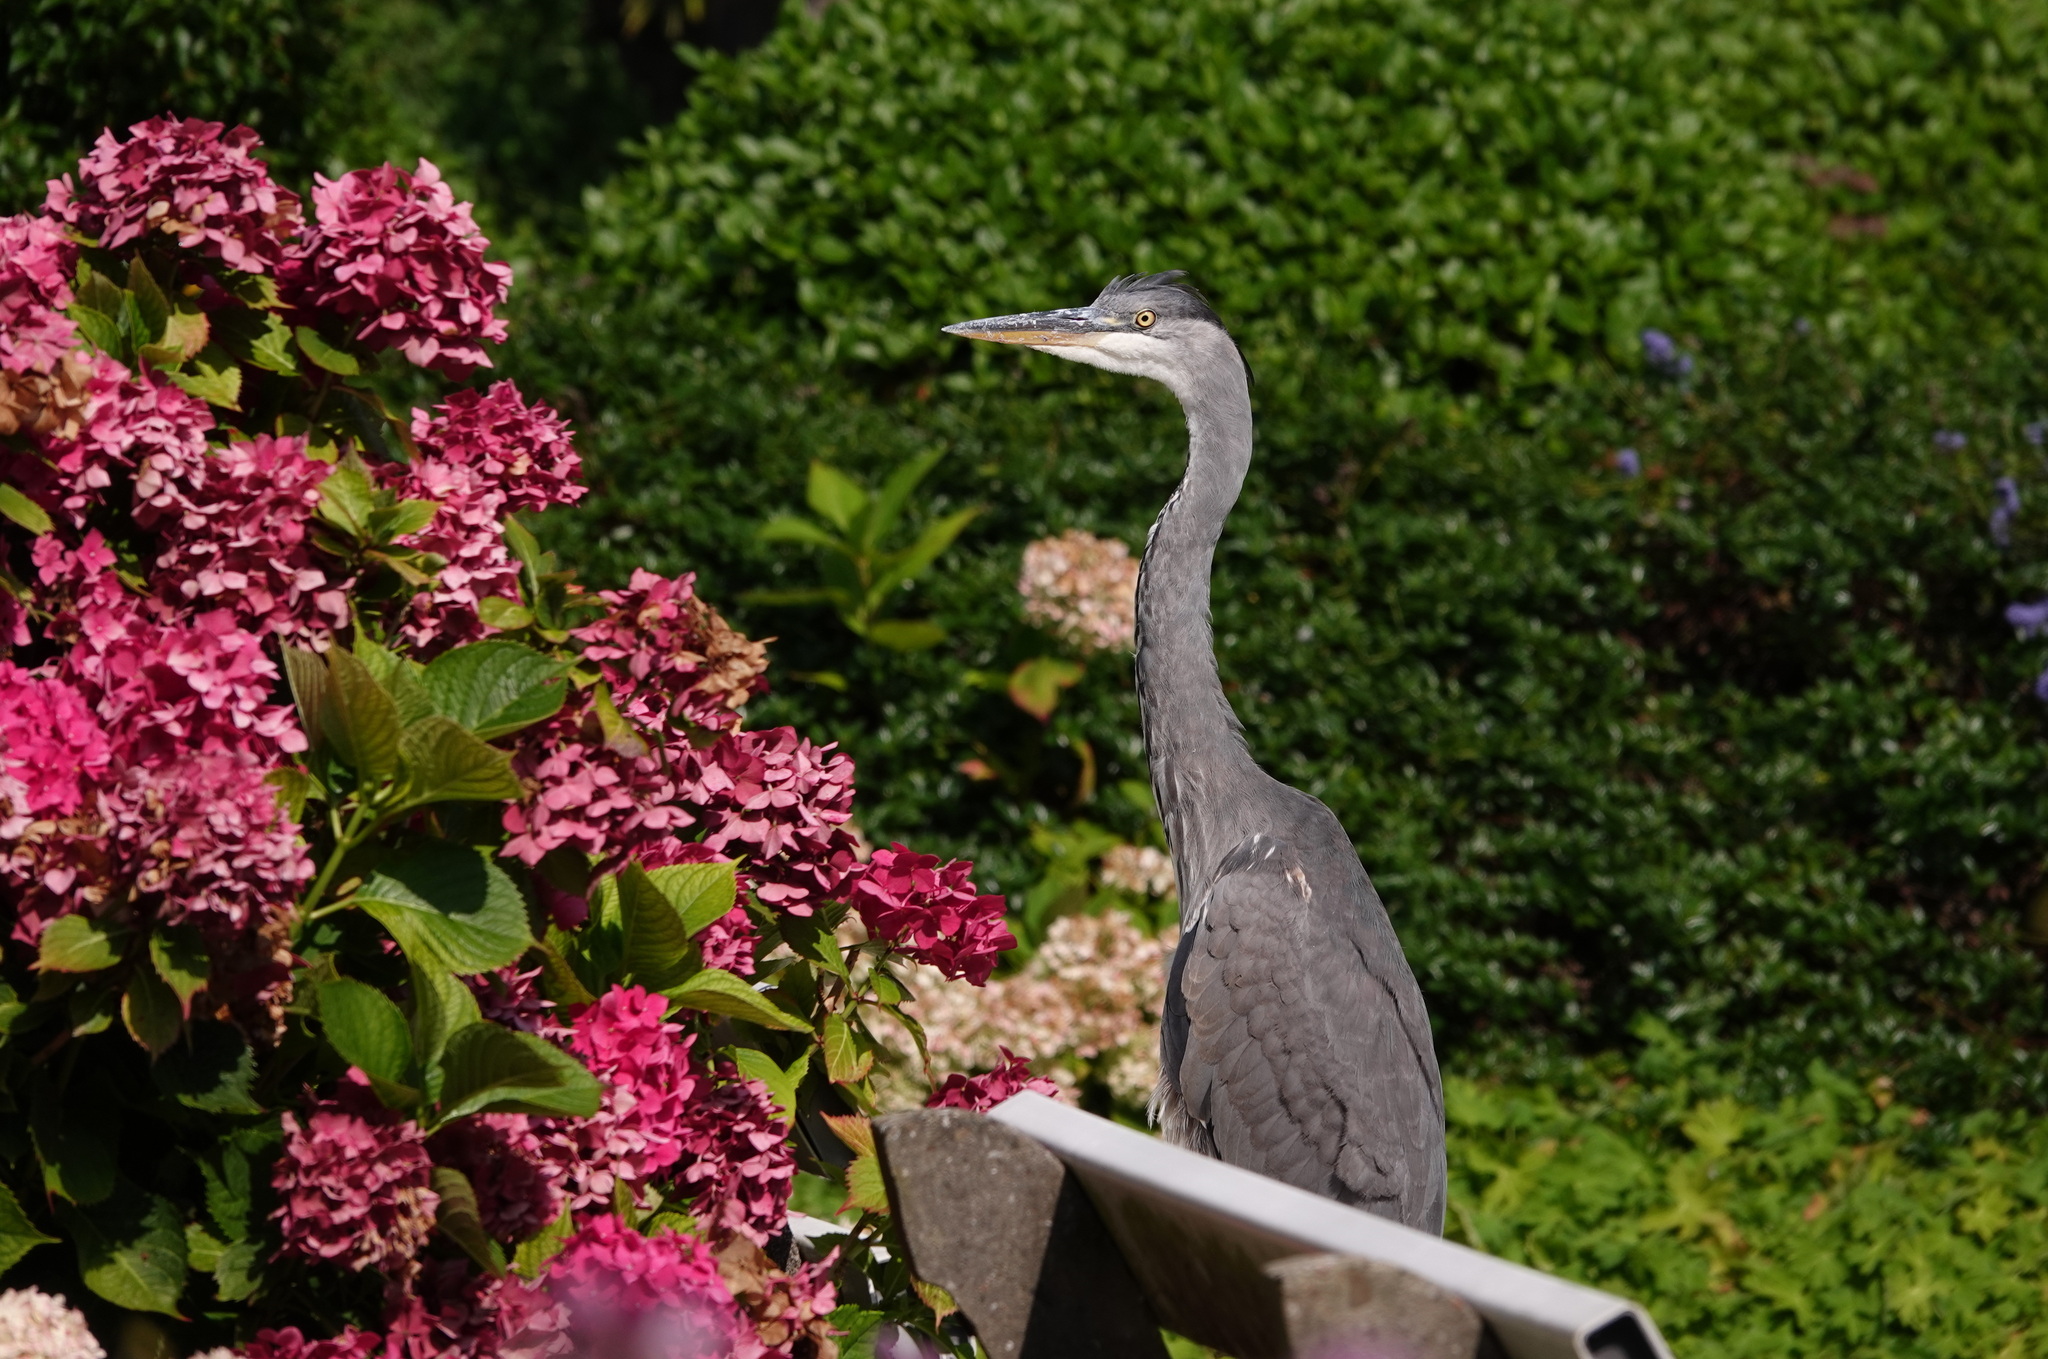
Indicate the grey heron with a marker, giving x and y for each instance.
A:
(1295, 1040)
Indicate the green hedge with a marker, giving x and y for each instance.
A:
(76, 66)
(1481, 194)
(1833, 1223)
(1743, 743)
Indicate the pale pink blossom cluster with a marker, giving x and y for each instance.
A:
(1087, 1005)
(43, 377)
(1083, 589)
(396, 253)
(1141, 869)
(187, 179)
(352, 1183)
(39, 1325)
(931, 912)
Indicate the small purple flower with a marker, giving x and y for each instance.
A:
(1628, 462)
(2041, 686)
(2035, 432)
(1950, 440)
(2006, 492)
(1662, 353)
(1802, 326)
(2030, 619)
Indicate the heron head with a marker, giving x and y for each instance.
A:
(1145, 325)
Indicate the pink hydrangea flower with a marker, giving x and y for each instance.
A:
(36, 338)
(522, 451)
(629, 1294)
(352, 1183)
(512, 998)
(519, 1176)
(397, 251)
(727, 942)
(780, 804)
(188, 180)
(979, 1094)
(650, 1084)
(739, 1170)
(53, 750)
(232, 525)
(588, 795)
(169, 688)
(931, 912)
(668, 655)
(119, 422)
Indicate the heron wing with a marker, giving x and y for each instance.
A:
(1305, 1051)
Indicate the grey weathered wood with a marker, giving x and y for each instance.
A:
(1199, 1234)
(1342, 1307)
(997, 1221)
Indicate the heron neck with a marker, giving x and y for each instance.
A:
(1193, 738)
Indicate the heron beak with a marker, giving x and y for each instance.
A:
(1039, 329)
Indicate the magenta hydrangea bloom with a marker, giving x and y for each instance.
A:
(931, 912)
(780, 805)
(168, 688)
(398, 253)
(650, 1083)
(233, 525)
(53, 751)
(979, 1094)
(629, 1294)
(522, 450)
(36, 262)
(291, 1343)
(589, 795)
(740, 1169)
(352, 1183)
(188, 179)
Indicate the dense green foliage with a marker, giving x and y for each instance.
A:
(1831, 1223)
(73, 67)
(1744, 743)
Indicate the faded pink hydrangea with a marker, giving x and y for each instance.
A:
(739, 1168)
(668, 655)
(352, 1183)
(519, 1176)
(190, 180)
(398, 253)
(979, 1094)
(780, 805)
(123, 423)
(931, 912)
(650, 1083)
(232, 526)
(1083, 588)
(629, 1294)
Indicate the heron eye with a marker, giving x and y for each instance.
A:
(1145, 319)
